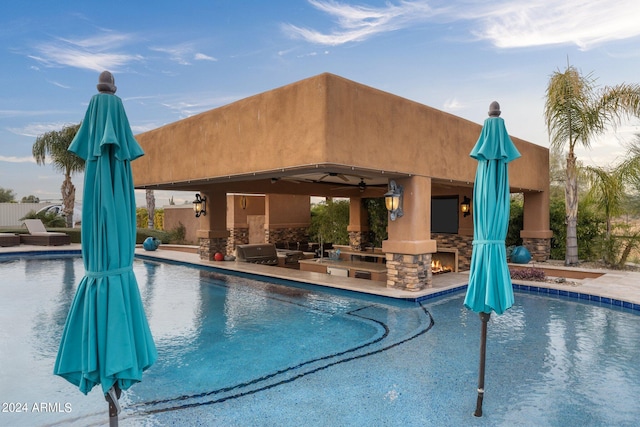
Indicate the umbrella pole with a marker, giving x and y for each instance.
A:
(484, 317)
(114, 408)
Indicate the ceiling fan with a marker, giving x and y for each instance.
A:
(362, 186)
(339, 175)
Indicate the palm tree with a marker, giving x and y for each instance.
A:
(576, 112)
(607, 191)
(54, 144)
(151, 208)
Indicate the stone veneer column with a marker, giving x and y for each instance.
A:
(536, 234)
(409, 272)
(213, 234)
(409, 247)
(210, 242)
(539, 248)
(209, 247)
(358, 240)
(237, 236)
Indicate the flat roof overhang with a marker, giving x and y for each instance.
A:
(320, 136)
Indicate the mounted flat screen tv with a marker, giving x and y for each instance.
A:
(444, 214)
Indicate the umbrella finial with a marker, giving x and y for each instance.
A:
(494, 109)
(106, 83)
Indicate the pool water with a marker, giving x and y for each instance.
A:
(235, 351)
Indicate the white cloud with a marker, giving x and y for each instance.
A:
(13, 159)
(202, 57)
(177, 53)
(34, 130)
(453, 105)
(505, 23)
(512, 24)
(59, 85)
(183, 53)
(96, 53)
(360, 22)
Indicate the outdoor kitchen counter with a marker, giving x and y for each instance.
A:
(357, 269)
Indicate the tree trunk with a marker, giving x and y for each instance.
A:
(151, 208)
(571, 202)
(68, 200)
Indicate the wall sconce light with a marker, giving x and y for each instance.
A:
(393, 200)
(243, 202)
(200, 205)
(465, 206)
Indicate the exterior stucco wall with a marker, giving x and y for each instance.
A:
(276, 129)
(182, 214)
(323, 119)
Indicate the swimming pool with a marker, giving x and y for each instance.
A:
(239, 352)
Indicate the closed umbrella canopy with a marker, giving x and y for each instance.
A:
(106, 338)
(490, 285)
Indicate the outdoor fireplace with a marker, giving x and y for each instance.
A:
(445, 260)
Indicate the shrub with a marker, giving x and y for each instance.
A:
(329, 221)
(49, 219)
(532, 274)
(516, 219)
(143, 233)
(378, 220)
(590, 228)
(178, 234)
(142, 218)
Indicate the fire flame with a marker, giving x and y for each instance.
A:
(437, 267)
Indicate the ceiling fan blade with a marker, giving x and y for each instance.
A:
(342, 177)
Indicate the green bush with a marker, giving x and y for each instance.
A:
(590, 228)
(329, 221)
(49, 219)
(143, 233)
(378, 217)
(177, 235)
(142, 218)
(516, 218)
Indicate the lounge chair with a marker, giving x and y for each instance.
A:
(38, 235)
(9, 239)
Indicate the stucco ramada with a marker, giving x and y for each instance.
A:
(323, 136)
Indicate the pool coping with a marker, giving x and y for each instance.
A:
(620, 289)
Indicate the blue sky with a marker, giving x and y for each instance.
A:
(175, 59)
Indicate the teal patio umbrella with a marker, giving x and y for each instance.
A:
(490, 287)
(106, 339)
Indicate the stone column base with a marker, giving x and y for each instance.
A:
(409, 272)
(358, 239)
(237, 236)
(539, 248)
(209, 247)
(287, 235)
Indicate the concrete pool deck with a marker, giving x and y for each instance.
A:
(616, 285)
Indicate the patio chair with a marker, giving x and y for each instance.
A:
(38, 235)
(9, 239)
